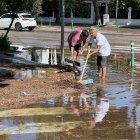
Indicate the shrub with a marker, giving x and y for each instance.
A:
(4, 43)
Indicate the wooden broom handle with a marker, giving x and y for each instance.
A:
(84, 67)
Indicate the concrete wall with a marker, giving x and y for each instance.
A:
(132, 22)
(45, 20)
(112, 21)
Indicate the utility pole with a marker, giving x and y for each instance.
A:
(62, 29)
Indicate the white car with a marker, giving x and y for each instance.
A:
(21, 21)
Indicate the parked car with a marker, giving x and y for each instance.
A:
(21, 21)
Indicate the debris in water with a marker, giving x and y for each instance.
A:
(24, 94)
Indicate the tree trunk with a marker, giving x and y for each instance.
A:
(97, 13)
(57, 11)
(6, 34)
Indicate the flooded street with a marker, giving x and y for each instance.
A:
(110, 111)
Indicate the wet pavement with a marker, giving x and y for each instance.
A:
(110, 111)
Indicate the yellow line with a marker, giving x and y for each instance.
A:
(34, 111)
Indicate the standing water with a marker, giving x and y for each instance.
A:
(110, 111)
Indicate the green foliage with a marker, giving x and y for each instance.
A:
(3, 6)
(4, 43)
(36, 7)
(33, 6)
(123, 8)
(79, 7)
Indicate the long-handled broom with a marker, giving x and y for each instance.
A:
(88, 81)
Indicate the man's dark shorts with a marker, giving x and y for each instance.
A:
(76, 47)
(101, 61)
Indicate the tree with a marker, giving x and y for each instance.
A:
(57, 10)
(4, 40)
(97, 13)
(123, 8)
(3, 6)
(79, 8)
(34, 6)
(12, 8)
(50, 6)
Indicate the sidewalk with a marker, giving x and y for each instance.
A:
(105, 29)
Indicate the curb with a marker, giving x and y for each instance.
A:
(51, 29)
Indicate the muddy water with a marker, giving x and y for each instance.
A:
(110, 111)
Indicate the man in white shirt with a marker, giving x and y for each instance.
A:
(102, 50)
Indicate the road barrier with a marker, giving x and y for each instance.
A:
(117, 28)
(132, 53)
(132, 63)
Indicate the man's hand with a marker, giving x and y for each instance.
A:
(89, 49)
(89, 55)
(81, 52)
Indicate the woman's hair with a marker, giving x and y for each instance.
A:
(85, 33)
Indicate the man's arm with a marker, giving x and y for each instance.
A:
(89, 47)
(95, 51)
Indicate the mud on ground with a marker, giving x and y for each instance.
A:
(20, 93)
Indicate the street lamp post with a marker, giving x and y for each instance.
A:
(62, 29)
(71, 20)
(116, 11)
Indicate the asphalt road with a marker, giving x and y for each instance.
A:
(52, 37)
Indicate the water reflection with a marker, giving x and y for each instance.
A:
(51, 102)
(41, 55)
(28, 74)
(66, 114)
(110, 111)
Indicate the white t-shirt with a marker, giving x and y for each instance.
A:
(102, 41)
